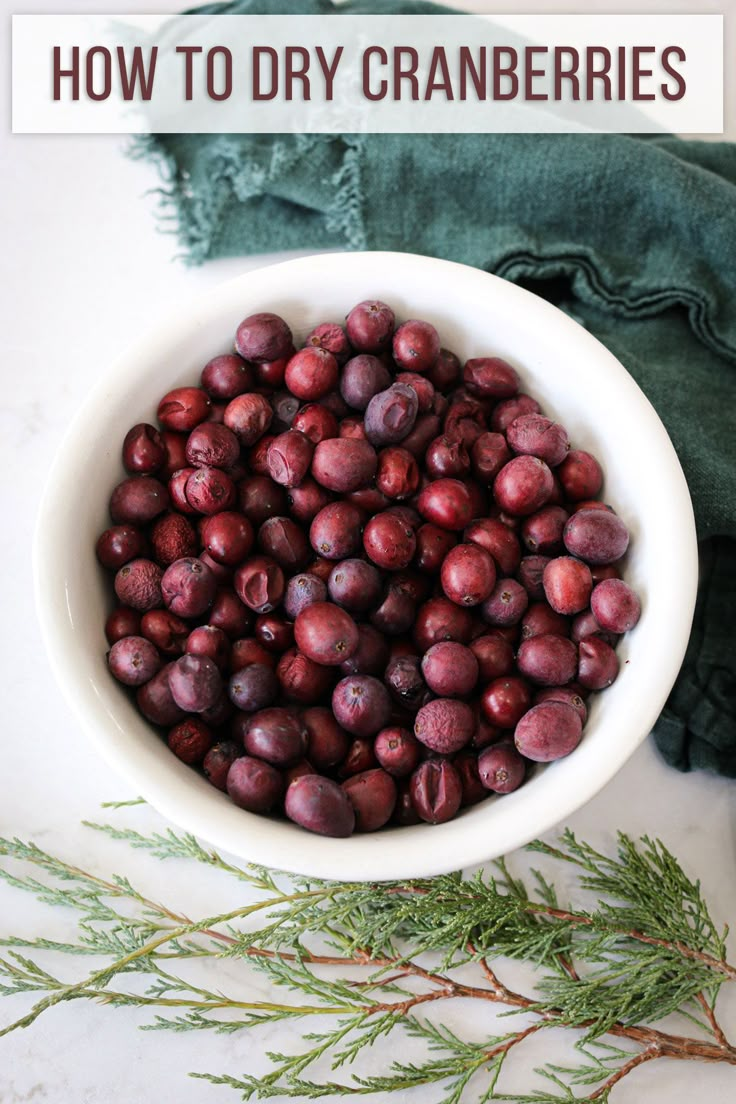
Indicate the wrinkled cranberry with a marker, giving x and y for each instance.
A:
(436, 791)
(332, 338)
(316, 422)
(190, 741)
(188, 587)
(397, 475)
(138, 584)
(217, 762)
(248, 416)
(260, 584)
(444, 725)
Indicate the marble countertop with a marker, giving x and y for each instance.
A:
(83, 271)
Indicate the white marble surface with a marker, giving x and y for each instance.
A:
(82, 271)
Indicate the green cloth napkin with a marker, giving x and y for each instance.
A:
(636, 237)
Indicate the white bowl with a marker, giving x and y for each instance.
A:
(576, 379)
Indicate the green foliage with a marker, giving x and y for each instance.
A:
(373, 961)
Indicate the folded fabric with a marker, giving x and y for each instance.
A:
(636, 237)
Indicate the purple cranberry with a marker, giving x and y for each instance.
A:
(301, 591)
(188, 587)
(253, 687)
(138, 584)
(597, 665)
(615, 605)
(320, 805)
(390, 415)
(217, 763)
(133, 660)
(363, 377)
(548, 660)
(371, 655)
(506, 604)
(263, 337)
(370, 326)
(548, 731)
(444, 725)
(361, 704)
(195, 683)
(254, 785)
(501, 768)
(596, 536)
(355, 585)
(436, 791)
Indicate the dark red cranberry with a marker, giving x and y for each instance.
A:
(585, 624)
(468, 575)
(371, 655)
(450, 669)
(282, 540)
(494, 655)
(260, 584)
(138, 584)
(327, 743)
(248, 416)
(361, 704)
(188, 587)
(118, 545)
(439, 619)
(426, 428)
(473, 790)
(489, 453)
(363, 377)
(138, 500)
(397, 751)
(447, 458)
(398, 473)
(217, 763)
(257, 455)
(535, 435)
(316, 422)
(260, 498)
(505, 701)
(542, 531)
(190, 741)
(541, 619)
(465, 421)
(222, 574)
(332, 338)
(195, 683)
(227, 537)
(210, 490)
(424, 389)
(311, 373)
(446, 503)
(254, 785)
(263, 337)
(274, 632)
(567, 694)
(396, 612)
(445, 372)
(175, 453)
(567, 584)
(212, 445)
(144, 451)
(615, 606)
(177, 491)
(548, 731)
(249, 650)
(155, 701)
(389, 542)
(326, 633)
(436, 791)
(289, 457)
(416, 346)
(284, 406)
(370, 326)
(404, 812)
(306, 500)
(335, 532)
(352, 428)
(501, 768)
(433, 545)
(510, 409)
(270, 373)
(523, 485)
(183, 408)
(390, 415)
(320, 805)
(343, 464)
(123, 621)
(276, 735)
(404, 679)
(490, 377)
(225, 377)
(372, 794)
(547, 660)
(531, 573)
(498, 540)
(581, 475)
(164, 629)
(208, 641)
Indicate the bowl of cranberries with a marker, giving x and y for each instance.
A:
(367, 566)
